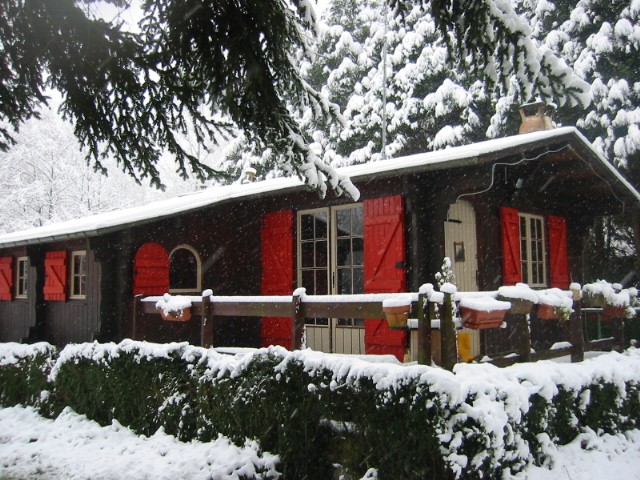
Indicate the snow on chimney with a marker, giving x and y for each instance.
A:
(536, 116)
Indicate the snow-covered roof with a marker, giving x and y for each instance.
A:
(467, 155)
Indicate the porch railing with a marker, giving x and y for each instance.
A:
(299, 307)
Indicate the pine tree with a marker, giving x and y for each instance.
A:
(208, 66)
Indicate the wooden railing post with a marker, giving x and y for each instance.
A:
(576, 335)
(297, 322)
(136, 315)
(448, 334)
(207, 322)
(424, 330)
(617, 330)
(522, 335)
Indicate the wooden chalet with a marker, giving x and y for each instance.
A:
(509, 210)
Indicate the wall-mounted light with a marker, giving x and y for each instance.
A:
(519, 183)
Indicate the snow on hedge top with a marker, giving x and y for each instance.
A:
(11, 353)
(119, 219)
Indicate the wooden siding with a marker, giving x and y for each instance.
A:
(17, 317)
(75, 321)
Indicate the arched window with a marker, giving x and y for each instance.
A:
(184, 270)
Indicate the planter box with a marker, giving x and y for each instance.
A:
(546, 312)
(610, 312)
(397, 316)
(183, 315)
(478, 319)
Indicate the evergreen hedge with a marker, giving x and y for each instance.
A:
(321, 412)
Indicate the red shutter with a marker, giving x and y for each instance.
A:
(55, 276)
(384, 271)
(558, 261)
(277, 273)
(151, 270)
(510, 227)
(6, 278)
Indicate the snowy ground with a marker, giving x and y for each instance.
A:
(72, 447)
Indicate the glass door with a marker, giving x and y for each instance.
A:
(330, 261)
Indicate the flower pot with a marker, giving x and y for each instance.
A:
(591, 300)
(183, 315)
(546, 312)
(611, 312)
(479, 319)
(397, 316)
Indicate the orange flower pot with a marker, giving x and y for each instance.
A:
(397, 316)
(183, 315)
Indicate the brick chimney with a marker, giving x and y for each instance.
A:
(536, 116)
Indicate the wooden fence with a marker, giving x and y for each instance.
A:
(300, 307)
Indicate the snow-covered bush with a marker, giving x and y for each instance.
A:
(316, 411)
(144, 386)
(23, 373)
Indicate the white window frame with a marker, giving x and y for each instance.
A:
(299, 242)
(73, 295)
(22, 280)
(198, 287)
(526, 255)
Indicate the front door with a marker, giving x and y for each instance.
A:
(461, 248)
(331, 262)
(460, 245)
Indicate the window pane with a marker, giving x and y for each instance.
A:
(307, 259)
(343, 252)
(321, 225)
(321, 253)
(356, 221)
(306, 227)
(344, 281)
(308, 281)
(343, 218)
(322, 284)
(358, 250)
(358, 284)
(183, 270)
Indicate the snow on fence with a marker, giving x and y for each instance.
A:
(429, 309)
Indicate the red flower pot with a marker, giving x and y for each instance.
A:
(397, 316)
(546, 312)
(610, 312)
(479, 319)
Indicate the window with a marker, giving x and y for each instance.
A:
(184, 270)
(532, 250)
(78, 275)
(22, 269)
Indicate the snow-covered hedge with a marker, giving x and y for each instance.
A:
(316, 410)
(23, 373)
